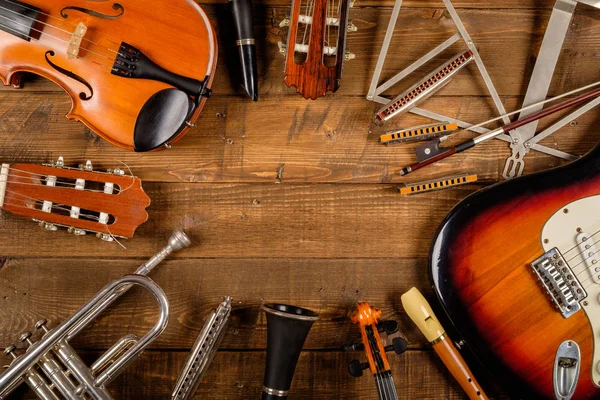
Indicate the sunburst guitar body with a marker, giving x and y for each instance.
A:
(516, 267)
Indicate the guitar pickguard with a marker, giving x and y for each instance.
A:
(574, 231)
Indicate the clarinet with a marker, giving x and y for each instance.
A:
(203, 351)
(241, 11)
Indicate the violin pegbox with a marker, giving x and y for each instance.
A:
(108, 204)
(315, 50)
(375, 334)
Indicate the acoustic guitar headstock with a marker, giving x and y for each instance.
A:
(109, 204)
(371, 327)
(316, 45)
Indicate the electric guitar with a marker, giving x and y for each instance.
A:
(516, 267)
(109, 204)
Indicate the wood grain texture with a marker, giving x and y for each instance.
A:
(319, 375)
(326, 141)
(262, 221)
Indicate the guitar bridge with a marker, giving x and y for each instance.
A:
(560, 282)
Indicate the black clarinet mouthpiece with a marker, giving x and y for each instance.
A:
(287, 329)
(241, 11)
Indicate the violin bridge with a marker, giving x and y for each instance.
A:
(75, 42)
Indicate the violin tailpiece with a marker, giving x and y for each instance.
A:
(132, 63)
(428, 87)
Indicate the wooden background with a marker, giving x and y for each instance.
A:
(288, 201)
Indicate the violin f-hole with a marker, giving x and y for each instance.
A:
(82, 95)
(116, 6)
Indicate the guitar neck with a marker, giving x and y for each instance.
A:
(3, 181)
(385, 386)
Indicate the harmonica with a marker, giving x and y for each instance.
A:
(203, 351)
(417, 133)
(422, 91)
(438, 184)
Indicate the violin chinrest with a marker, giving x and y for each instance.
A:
(161, 119)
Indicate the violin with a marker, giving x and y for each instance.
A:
(368, 320)
(316, 45)
(138, 72)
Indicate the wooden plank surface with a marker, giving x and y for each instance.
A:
(287, 200)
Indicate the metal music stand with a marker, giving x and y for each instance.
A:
(521, 140)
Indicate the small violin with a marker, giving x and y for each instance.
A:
(367, 318)
(138, 72)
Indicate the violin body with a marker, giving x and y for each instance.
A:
(76, 43)
(492, 264)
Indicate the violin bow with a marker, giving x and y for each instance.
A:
(436, 153)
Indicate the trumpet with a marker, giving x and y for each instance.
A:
(52, 368)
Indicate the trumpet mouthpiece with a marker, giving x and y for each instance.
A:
(179, 240)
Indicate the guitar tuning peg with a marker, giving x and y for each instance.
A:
(282, 48)
(48, 226)
(116, 171)
(60, 162)
(355, 368)
(349, 56)
(76, 231)
(87, 166)
(352, 27)
(284, 22)
(105, 237)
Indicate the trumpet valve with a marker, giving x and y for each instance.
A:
(41, 324)
(26, 337)
(10, 351)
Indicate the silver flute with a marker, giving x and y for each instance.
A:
(203, 351)
(52, 368)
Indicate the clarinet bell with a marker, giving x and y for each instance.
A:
(287, 329)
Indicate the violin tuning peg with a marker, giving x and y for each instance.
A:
(389, 327)
(352, 27)
(355, 368)
(399, 345)
(60, 162)
(353, 347)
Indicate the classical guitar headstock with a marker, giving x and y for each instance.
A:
(371, 328)
(316, 45)
(109, 204)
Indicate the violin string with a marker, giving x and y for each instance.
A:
(377, 356)
(62, 20)
(48, 34)
(103, 64)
